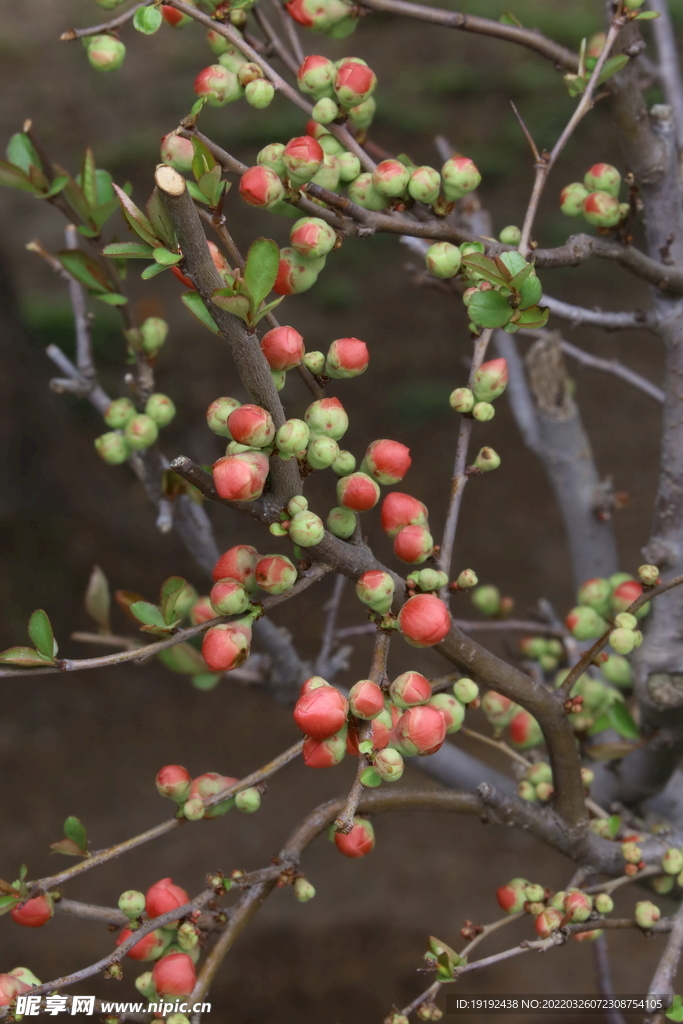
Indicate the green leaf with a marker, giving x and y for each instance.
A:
(171, 589)
(486, 268)
(203, 159)
(68, 847)
(98, 599)
(265, 310)
(147, 20)
(40, 632)
(24, 657)
(621, 720)
(38, 179)
(534, 317)
(85, 269)
(104, 188)
(211, 186)
(160, 220)
(14, 177)
(101, 214)
(152, 271)
(76, 197)
(58, 185)
(612, 66)
(508, 18)
(112, 299)
(489, 309)
(676, 1010)
(75, 830)
(5, 887)
(513, 260)
(520, 277)
(610, 751)
(648, 16)
(166, 258)
(87, 178)
(197, 193)
(129, 250)
(197, 106)
(7, 902)
(136, 218)
(21, 152)
(125, 599)
(147, 613)
(261, 267)
(530, 292)
(183, 658)
(195, 305)
(238, 305)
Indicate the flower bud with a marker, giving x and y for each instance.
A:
(293, 436)
(316, 75)
(24, 976)
(649, 574)
(443, 259)
(325, 110)
(525, 732)
(578, 906)
(375, 588)
(143, 984)
(366, 700)
(603, 178)
(275, 574)
(238, 563)
(209, 785)
(177, 152)
(302, 157)
(389, 764)
(490, 380)
(572, 198)
(312, 237)
(226, 646)
(663, 884)
(466, 690)
(623, 596)
(112, 448)
(259, 93)
(306, 529)
(248, 800)
(424, 185)
(624, 620)
(271, 156)
(327, 176)
(622, 640)
(672, 861)
(421, 730)
(400, 510)
(119, 413)
(154, 330)
(251, 425)
(201, 611)
(487, 599)
(584, 623)
(460, 176)
(347, 357)
(303, 890)
(228, 597)
(354, 83)
(172, 781)
(161, 409)
(512, 897)
(526, 791)
(132, 902)
(387, 461)
(325, 753)
(413, 544)
(260, 186)
(595, 593)
(424, 620)
(631, 852)
(322, 451)
(486, 460)
(141, 432)
(349, 167)
(174, 975)
(314, 362)
(150, 946)
(601, 209)
(646, 913)
(483, 412)
(617, 670)
(34, 913)
(462, 400)
(429, 579)
(410, 689)
(241, 477)
(105, 53)
(312, 683)
(467, 579)
(604, 904)
(364, 194)
(499, 710)
(391, 178)
(217, 415)
(295, 274)
(248, 72)
(548, 921)
(344, 464)
(451, 709)
(164, 896)
(511, 235)
(359, 841)
(357, 491)
(363, 114)
(341, 522)
(217, 85)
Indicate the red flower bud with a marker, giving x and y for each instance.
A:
(173, 781)
(275, 574)
(490, 380)
(295, 273)
(548, 921)
(260, 186)
(451, 709)
(380, 731)
(34, 913)
(313, 683)
(366, 699)
(357, 491)
(354, 83)
(319, 15)
(202, 611)
(164, 896)
(625, 594)
(511, 897)
(10, 988)
(226, 646)
(315, 74)
(238, 563)
(175, 18)
(603, 178)
(219, 263)
(208, 785)
(602, 209)
(148, 948)
(413, 544)
(421, 730)
(217, 85)
(347, 357)
(386, 461)
(424, 620)
(325, 753)
(525, 731)
(302, 157)
(410, 689)
(252, 425)
(321, 713)
(578, 906)
(283, 348)
(174, 975)
(391, 178)
(359, 841)
(312, 237)
(375, 588)
(176, 151)
(228, 597)
(499, 710)
(399, 510)
(241, 477)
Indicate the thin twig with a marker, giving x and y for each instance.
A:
(329, 634)
(611, 321)
(276, 43)
(290, 31)
(84, 357)
(106, 26)
(614, 367)
(663, 979)
(668, 64)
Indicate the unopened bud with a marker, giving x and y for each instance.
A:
(217, 85)
(486, 460)
(466, 690)
(672, 861)
(572, 198)
(511, 235)
(344, 464)
(314, 362)
(113, 448)
(424, 185)
(306, 529)
(648, 575)
(460, 176)
(341, 522)
(467, 579)
(141, 432)
(293, 436)
(602, 209)
(647, 913)
(303, 890)
(161, 409)
(260, 186)
(389, 764)
(119, 413)
(132, 903)
(248, 800)
(443, 259)
(483, 412)
(322, 451)
(622, 640)
(106, 53)
(603, 178)
(391, 178)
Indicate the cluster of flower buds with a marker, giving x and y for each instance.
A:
(488, 600)
(547, 651)
(502, 713)
(232, 77)
(602, 599)
(426, 580)
(336, 18)
(537, 783)
(597, 199)
(344, 88)
(174, 946)
(133, 431)
(591, 700)
(553, 910)
(488, 383)
(404, 519)
(175, 782)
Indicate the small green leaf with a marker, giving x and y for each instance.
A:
(21, 152)
(160, 220)
(129, 250)
(261, 267)
(166, 258)
(265, 310)
(621, 720)
(153, 270)
(513, 260)
(101, 214)
(203, 159)
(40, 632)
(520, 277)
(58, 185)
(195, 305)
(98, 599)
(7, 902)
(68, 847)
(74, 194)
(486, 268)
(612, 66)
(183, 658)
(530, 292)
(14, 177)
(171, 589)
(104, 188)
(238, 305)
(211, 186)
(197, 193)
(648, 16)
(676, 1010)
(147, 613)
(197, 106)
(508, 18)
(136, 218)
(87, 179)
(489, 309)
(112, 299)
(24, 657)
(85, 269)
(147, 20)
(75, 830)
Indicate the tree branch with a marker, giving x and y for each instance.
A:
(577, 316)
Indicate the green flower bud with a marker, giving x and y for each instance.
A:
(624, 620)
(349, 167)
(248, 800)
(297, 504)
(370, 778)
(363, 192)
(391, 178)
(217, 415)
(259, 93)
(306, 529)
(293, 436)
(526, 791)
(141, 432)
(647, 913)
(617, 670)
(303, 890)
(602, 209)
(161, 409)
(344, 463)
(424, 185)
(279, 378)
(228, 54)
(327, 416)
(327, 175)
(648, 575)
(389, 764)
(271, 156)
(330, 145)
(113, 448)
(430, 579)
(105, 53)
(572, 198)
(672, 861)
(154, 331)
(462, 400)
(486, 460)
(466, 690)
(511, 235)
(443, 259)
(325, 111)
(490, 380)
(322, 451)
(487, 599)
(603, 902)
(622, 640)
(663, 884)
(119, 413)
(194, 809)
(341, 522)
(603, 178)
(483, 412)
(132, 903)
(314, 362)
(362, 115)
(466, 579)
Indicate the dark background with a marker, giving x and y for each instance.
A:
(91, 744)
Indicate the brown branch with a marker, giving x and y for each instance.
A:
(577, 316)
(663, 979)
(106, 26)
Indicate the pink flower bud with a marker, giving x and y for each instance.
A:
(238, 563)
(389, 764)
(105, 53)
(363, 192)
(375, 588)
(10, 988)
(601, 209)
(295, 273)
(547, 922)
(490, 380)
(443, 260)
(366, 700)
(525, 731)
(646, 913)
(325, 753)
(201, 611)
(410, 689)
(149, 947)
(625, 594)
(260, 186)
(460, 176)
(34, 913)
(252, 425)
(319, 15)
(354, 83)
(321, 713)
(512, 897)
(174, 975)
(316, 74)
(176, 151)
(241, 477)
(424, 620)
(358, 492)
(584, 623)
(217, 85)
(327, 416)
(451, 709)
(302, 157)
(164, 896)
(424, 184)
(347, 357)
(359, 841)
(572, 198)
(421, 730)
(499, 710)
(399, 510)
(226, 646)
(578, 906)
(386, 461)
(228, 597)
(312, 237)
(174, 782)
(275, 574)
(603, 178)
(413, 544)
(208, 785)
(391, 178)
(312, 683)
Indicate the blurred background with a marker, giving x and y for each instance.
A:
(90, 744)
